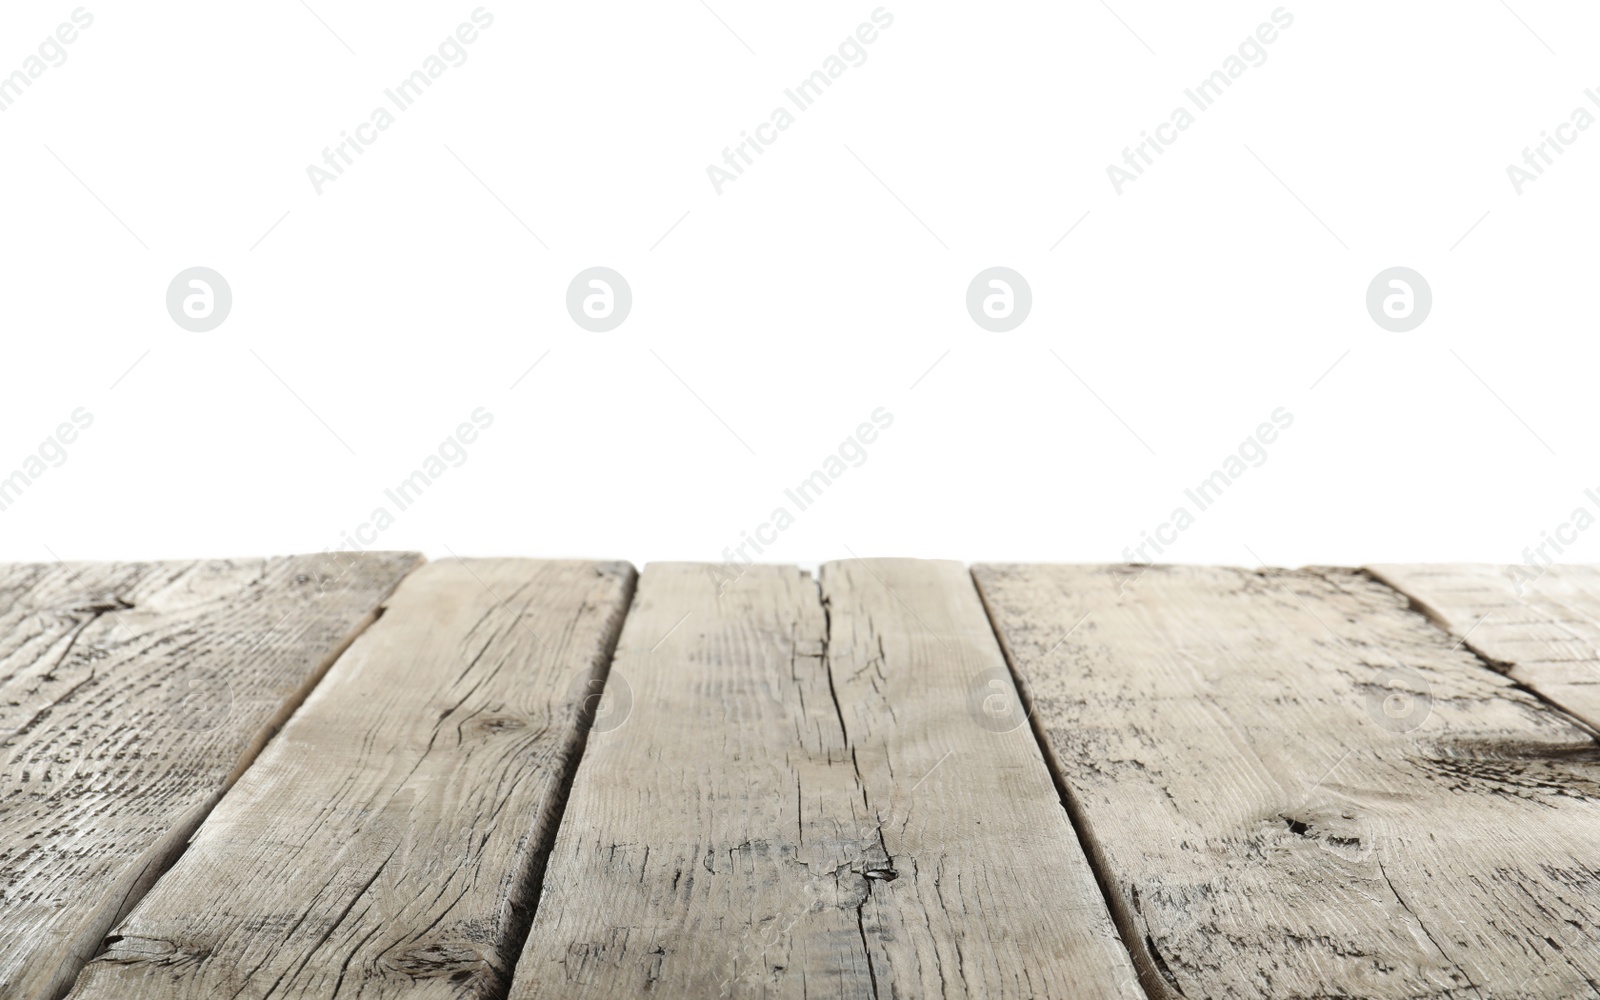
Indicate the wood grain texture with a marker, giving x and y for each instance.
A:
(1295, 786)
(794, 809)
(712, 840)
(1540, 628)
(387, 842)
(131, 697)
(994, 895)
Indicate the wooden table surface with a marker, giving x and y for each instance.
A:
(370, 776)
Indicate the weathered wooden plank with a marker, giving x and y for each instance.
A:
(684, 863)
(131, 696)
(387, 843)
(797, 809)
(1541, 628)
(1295, 786)
(995, 897)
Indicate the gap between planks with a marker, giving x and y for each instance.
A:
(1145, 686)
(1148, 962)
(391, 840)
(123, 705)
(804, 803)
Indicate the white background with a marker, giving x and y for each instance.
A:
(805, 295)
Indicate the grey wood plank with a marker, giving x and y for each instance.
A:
(809, 799)
(388, 842)
(131, 697)
(1296, 786)
(995, 897)
(1540, 628)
